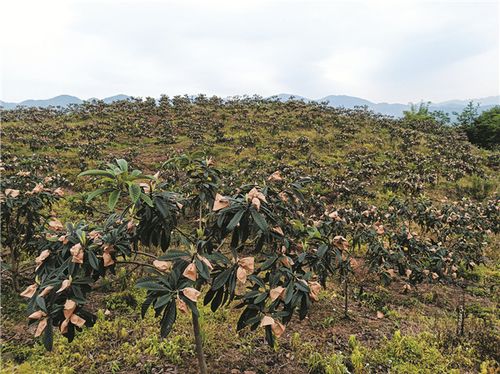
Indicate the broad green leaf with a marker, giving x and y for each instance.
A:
(162, 300)
(168, 319)
(221, 279)
(96, 173)
(135, 192)
(145, 306)
(41, 303)
(235, 220)
(48, 338)
(217, 300)
(260, 298)
(302, 287)
(151, 286)
(259, 220)
(202, 268)
(94, 261)
(98, 192)
(122, 164)
(113, 199)
(135, 173)
(269, 336)
(146, 199)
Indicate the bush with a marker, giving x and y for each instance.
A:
(409, 354)
(326, 364)
(485, 132)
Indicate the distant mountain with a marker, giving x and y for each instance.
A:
(62, 101)
(490, 100)
(286, 97)
(395, 109)
(112, 99)
(344, 101)
(59, 101)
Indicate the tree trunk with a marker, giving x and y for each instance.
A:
(346, 289)
(462, 320)
(461, 314)
(199, 345)
(15, 270)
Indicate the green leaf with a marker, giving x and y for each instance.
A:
(168, 319)
(145, 306)
(289, 292)
(162, 300)
(94, 261)
(48, 338)
(260, 298)
(259, 220)
(269, 336)
(135, 192)
(97, 173)
(151, 286)
(41, 303)
(122, 164)
(221, 279)
(162, 206)
(146, 199)
(175, 255)
(235, 220)
(269, 262)
(208, 296)
(98, 192)
(202, 268)
(135, 173)
(192, 306)
(302, 287)
(113, 199)
(217, 300)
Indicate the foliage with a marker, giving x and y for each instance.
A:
(422, 113)
(24, 205)
(468, 116)
(485, 130)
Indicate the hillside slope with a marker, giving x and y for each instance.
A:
(347, 152)
(357, 162)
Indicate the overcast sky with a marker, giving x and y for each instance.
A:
(395, 51)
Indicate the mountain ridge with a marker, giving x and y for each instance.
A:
(346, 101)
(395, 109)
(60, 100)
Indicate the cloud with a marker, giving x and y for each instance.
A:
(379, 50)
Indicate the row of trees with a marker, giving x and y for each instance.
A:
(268, 248)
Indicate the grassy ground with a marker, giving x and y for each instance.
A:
(408, 333)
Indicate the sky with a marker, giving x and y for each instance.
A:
(384, 51)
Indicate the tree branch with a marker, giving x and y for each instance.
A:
(135, 263)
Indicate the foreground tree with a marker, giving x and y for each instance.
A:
(270, 287)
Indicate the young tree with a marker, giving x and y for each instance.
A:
(271, 286)
(423, 113)
(24, 208)
(468, 116)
